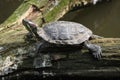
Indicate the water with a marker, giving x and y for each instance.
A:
(7, 7)
(103, 19)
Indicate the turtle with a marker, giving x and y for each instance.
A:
(63, 33)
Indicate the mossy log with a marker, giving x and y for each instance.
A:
(79, 63)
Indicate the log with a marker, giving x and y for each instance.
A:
(79, 64)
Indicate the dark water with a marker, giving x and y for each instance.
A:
(103, 19)
(7, 7)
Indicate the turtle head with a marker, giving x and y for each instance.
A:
(31, 27)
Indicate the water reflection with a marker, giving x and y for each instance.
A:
(102, 18)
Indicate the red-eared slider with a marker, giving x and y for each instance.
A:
(62, 33)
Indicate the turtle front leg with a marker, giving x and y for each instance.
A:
(39, 48)
(42, 60)
(94, 49)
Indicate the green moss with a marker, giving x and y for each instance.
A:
(9, 34)
(51, 15)
(18, 12)
(38, 3)
(21, 10)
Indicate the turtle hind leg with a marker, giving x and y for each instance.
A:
(94, 49)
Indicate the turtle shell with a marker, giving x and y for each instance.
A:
(65, 32)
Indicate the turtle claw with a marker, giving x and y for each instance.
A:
(97, 55)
